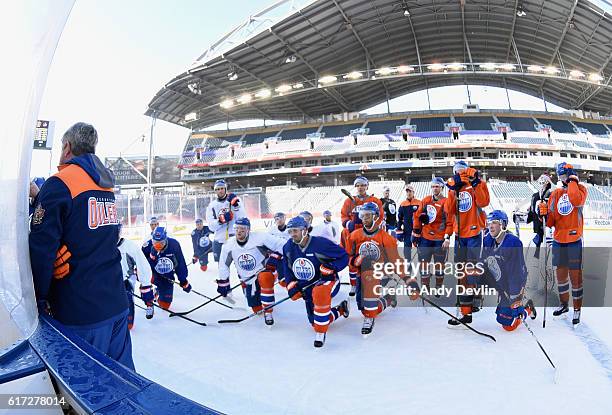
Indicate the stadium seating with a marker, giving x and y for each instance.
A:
(595, 129)
(595, 195)
(256, 138)
(192, 143)
(371, 141)
(519, 123)
(430, 124)
(289, 146)
(333, 144)
(529, 140)
(340, 130)
(606, 189)
(296, 133)
(249, 152)
(560, 126)
(385, 127)
(430, 140)
(604, 146)
(475, 123)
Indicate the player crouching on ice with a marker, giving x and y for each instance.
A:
(505, 269)
(166, 259)
(368, 245)
(564, 212)
(310, 268)
(256, 257)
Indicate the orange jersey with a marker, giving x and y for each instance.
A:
(565, 212)
(472, 218)
(440, 223)
(350, 206)
(378, 246)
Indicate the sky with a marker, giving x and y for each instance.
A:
(115, 55)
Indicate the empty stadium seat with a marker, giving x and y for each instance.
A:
(340, 130)
(256, 138)
(333, 144)
(529, 140)
(519, 123)
(297, 133)
(430, 124)
(385, 127)
(561, 126)
(596, 129)
(475, 123)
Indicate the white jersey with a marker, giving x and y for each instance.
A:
(328, 230)
(284, 234)
(131, 254)
(216, 207)
(248, 258)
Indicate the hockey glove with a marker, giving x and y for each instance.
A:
(294, 291)
(233, 199)
(424, 218)
(326, 272)
(147, 295)
(543, 209)
(61, 268)
(226, 217)
(186, 286)
(223, 287)
(455, 183)
(272, 261)
(194, 259)
(350, 225)
(573, 177)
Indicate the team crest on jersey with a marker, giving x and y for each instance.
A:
(465, 201)
(564, 206)
(246, 262)
(38, 215)
(164, 265)
(369, 250)
(303, 269)
(432, 213)
(392, 209)
(101, 212)
(204, 242)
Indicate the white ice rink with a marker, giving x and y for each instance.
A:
(412, 363)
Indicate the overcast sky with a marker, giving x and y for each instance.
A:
(114, 55)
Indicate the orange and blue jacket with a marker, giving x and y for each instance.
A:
(472, 218)
(565, 212)
(378, 246)
(76, 208)
(440, 223)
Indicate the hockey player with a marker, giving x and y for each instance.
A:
(405, 220)
(431, 233)
(221, 214)
(201, 244)
(327, 229)
(135, 266)
(311, 265)
(546, 186)
(563, 212)
(505, 269)
(390, 209)
(350, 216)
(256, 257)
(469, 221)
(369, 245)
(279, 227)
(166, 259)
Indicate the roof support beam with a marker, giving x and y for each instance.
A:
(416, 41)
(465, 39)
(594, 93)
(512, 31)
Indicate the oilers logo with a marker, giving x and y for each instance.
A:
(246, 262)
(204, 242)
(392, 208)
(369, 250)
(432, 213)
(164, 266)
(303, 269)
(101, 212)
(465, 201)
(564, 206)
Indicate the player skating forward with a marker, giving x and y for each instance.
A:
(468, 195)
(279, 227)
(310, 266)
(367, 246)
(350, 216)
(166, 259)
(201, 244)
(564, 213)
(256, 257)
(431, 234)
(135, 267)
(221, 214)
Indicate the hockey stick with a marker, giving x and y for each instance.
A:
(203, 295)
(200, 323)
(347, 194)
(183, 313)
(266, 308)
(427, 300)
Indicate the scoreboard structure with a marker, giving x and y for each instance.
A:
(43, 138)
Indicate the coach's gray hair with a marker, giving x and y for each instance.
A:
(82, 137)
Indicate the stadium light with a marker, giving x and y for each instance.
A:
(406, 13)
(405, 69)
(290, 59)
(298, 85)
(263, 93)
(435, 67)
(283, 88)
(551, 70)
(328, 79)
(455, 66)
(595, 77)
(535, 68)
(245, 98)
(520, 11)
(192, 116)
(507, 67)
(489, 66)
(576, 74)
(232, 76)
(353, 75)
(228, 103)
(384, 71)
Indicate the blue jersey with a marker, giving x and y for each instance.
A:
(200, 241)
(303, 264)
(168, 262)
(506, 263)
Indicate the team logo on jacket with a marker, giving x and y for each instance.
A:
(369, 250)
(303, 269)
(432, 213)
(204, 242)
(164, 265)
(564, 206)
(465, 201)
(392, 208)
(246, 262)
(101, 212)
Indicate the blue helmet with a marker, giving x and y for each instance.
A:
(243, 222)
(220, 183)
(564, 168)
(438, 181)
(499, 215)
(39, 181)
(369, 207)
(361, 180)
(159, 234)
(297, 222)
(459, 165)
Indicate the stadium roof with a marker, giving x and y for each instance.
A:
(334, 56)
